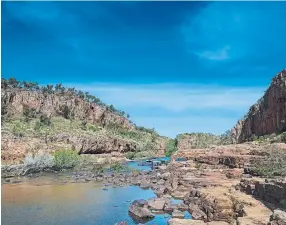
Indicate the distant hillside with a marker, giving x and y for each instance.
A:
(50, 117)
(189, 141)
(267, 116)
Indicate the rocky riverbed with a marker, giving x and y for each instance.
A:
(214, 192)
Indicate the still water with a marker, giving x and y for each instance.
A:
(44, 200)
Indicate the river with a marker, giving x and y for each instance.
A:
(44, 200)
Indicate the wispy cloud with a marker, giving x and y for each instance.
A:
(220, 54)
(176, 97)
(177, 108)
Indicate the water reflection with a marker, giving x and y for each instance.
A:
(43, 201)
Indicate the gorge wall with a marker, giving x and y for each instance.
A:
(267, 116)
(15, 100)
(46, 119)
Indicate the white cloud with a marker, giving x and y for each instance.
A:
(179, 108)
(175, 97)
(220, 54)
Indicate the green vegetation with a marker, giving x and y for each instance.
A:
(272, 138)
(58, 89)
(171, 147)
(119, 167)
(200, 140)
(66, 159)
(29, 113)
(273, 164)
(225, 138)
(205, 140)
(130, 155)
(198, 165)
(53, 127)
(34, 124)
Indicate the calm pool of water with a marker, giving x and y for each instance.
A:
(42, 201)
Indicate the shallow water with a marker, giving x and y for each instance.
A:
(134, 164)
(45, 201)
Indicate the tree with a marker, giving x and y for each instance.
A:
(4, 83)
(30, 85)
(28, 113)
(111, 108)
(80, 94)
(128, 116)
(71, 91)
(95, 99)
(65, 111)
(50, 89)
(12, 82)
(59, 88)
(45, 120)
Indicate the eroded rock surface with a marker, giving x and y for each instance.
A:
(267, 116)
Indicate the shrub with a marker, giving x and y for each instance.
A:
(198, 165)
(273, 164)
(18, 129)
(117, 167)
(28, 113)
(98, 169)
(66, 159)
(83, 125)
(135, 171)
(130, 155)
(39, 160)
(92, 128)
(38, 126)
(144, 154)
(171, 147)
(65, 112)
(45, 120)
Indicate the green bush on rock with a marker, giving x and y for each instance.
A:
(171, 147)
(130, 155)
(66, 159)
(118, 167)
(273, 164)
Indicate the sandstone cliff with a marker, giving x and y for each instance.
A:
(267, 116)
(14, 101)
(48, 119)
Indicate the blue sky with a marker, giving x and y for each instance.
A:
(176, 66)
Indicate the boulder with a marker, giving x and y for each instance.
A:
(196, 212)
(178, 214)
(176, 221)
(170, 207)
(157, 203)
(145, 185)
(278, 217)
(139, 209)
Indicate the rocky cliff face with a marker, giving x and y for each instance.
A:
(15, 100)
(46, 121)
(267, 116)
